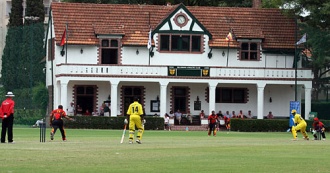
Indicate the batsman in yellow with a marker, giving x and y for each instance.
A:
(300, 125)
(135, 115)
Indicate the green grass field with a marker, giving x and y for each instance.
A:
(163, 151)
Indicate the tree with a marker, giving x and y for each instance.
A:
(32, 49)
(11, 55)
(316, 23)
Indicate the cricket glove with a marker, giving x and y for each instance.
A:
(144, 121)
(125, 121)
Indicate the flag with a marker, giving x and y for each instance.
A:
(229, 37)
(302, 40)
(63, 38)
(149, 40)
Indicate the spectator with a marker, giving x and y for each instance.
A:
(202, 114)
(7, 116)
(233, 115)
(318, 126)
(240, 114)
(71, 109)
(220, 114)
(227, 114)
(101, 110)
(87, 113)
(212, 120)
(270, 115)
(178, 116)
(38, 122)
(167, 122)
(171, 114)
(189, 117)
(79, 110)
(301, 125)
(249, 115)
(106, 110)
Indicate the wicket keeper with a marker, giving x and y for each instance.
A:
(300, 125)
(135, 115)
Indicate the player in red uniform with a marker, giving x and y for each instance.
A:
(227, 122)
(57, 122)
(318, 126)
(212, 119)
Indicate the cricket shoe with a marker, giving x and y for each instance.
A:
(130, 142)
(12, 142)
(51, 135)
(294, 139)
(138, 141)
(306, 138)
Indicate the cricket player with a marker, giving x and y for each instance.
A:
(135, 115)
(300, 125)
(318, 126)
(212, 120)
(57, 122)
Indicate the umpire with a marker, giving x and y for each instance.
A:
(7, 115)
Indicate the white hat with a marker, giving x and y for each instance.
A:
(10, 94)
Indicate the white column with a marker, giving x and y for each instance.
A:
(64, 95)
(163, 98)
(212, 87)
(308, 93)
(260, 98)
(114, 98)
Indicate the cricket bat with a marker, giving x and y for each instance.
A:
(123, 136)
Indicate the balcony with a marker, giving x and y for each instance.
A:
(158, 71)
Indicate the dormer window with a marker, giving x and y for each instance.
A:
(250, 51)
(180, 43)
(109, 51)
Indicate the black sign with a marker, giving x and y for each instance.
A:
(188, 71)
(197, 105)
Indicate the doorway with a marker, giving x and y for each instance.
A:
(85, 97)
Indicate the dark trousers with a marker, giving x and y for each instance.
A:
(58, 124)
(7, 123)
(212, 127)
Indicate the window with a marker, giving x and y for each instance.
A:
(250, 51)
(109, 51)
(180, 43)
(231, 95)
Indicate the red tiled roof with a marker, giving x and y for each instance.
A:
(132, 21)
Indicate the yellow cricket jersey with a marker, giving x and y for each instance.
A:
(298, 119)
(135, 109)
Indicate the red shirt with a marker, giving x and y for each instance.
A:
(58, 114)
(213, 118)
(7, 107)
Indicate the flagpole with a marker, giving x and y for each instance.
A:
(227, 54)
(295, 61)
(148, 37)
(51, 56)
(66, 43)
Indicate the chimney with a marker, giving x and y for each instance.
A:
(256, 3)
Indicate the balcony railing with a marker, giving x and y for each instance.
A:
(163, 71)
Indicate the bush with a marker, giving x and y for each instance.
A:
(90, 122)
(27, 116)
(264, 125)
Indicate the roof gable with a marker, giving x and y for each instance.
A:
(192, 24)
